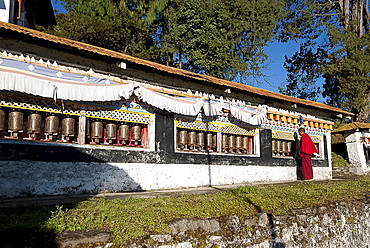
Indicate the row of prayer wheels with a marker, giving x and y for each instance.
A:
(192, 140)
(97, 131)
(235, 143)
(282, 147)
(207, 141)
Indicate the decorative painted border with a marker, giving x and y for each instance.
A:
(117, 111)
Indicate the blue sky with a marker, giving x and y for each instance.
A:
(276, 75)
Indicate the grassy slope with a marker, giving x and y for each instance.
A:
(133, 217)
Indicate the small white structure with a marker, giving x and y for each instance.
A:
(357, 138)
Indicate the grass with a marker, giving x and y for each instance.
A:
(338, 160)
(135, 217)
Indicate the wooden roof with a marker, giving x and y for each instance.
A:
(162, 68)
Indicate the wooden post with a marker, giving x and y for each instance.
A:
(82, 128)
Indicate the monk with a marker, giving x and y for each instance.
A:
(306, 150)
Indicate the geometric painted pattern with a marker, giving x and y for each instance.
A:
(69, 108)
(290, 136)
(215, 127)
(282, 135)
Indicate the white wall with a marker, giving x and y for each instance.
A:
(27, 178)
(4, 10)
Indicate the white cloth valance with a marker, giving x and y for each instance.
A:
(22, 77)
(40, 86)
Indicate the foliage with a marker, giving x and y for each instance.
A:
(338, 160)
(343, 26)
(219, 38)
(224, 39)
(136, 217)
(303, 71)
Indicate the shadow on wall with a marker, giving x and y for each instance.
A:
(24, 225)
(31, 168)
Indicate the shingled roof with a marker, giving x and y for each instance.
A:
(162, 68)
(351, 127)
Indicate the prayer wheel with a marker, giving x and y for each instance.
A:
(111, 132)
(279, 146)
(51, 126)
(209, 141)
(225, 142)
(200, 140)
(245, 143)
(68, 127)
(15, 121)
(289, 147)
(192, 139)
(34, 124)
(2, 120)
(214, 141)
(183, 138)
(285, 147)
(136, 134)
(274, 146)
(88, 128)
(97, 131)
(124, 133)
(232, 142)
(317, 147)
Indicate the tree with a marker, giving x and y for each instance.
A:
(303, 71)
(113, 24)
(224, 39)
(219, 38)
(346, 26)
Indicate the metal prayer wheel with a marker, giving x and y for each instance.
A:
(192, 139)
(136, 134)
(51, 126)
(214, 137)
(124, 132)
(289, 147)
(15, 121)
(274, 146)
(68, 127)
(279, 146)
(231, 141)
(239, 142)
(209, 140)
(225, 141)
(2, 120)
(285, 147)
(34, 124)
(245, 143)
(97, 131)
(88, 128)
(111, 131)
(183, 138)
(200, 140)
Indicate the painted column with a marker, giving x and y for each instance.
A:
(356, 153)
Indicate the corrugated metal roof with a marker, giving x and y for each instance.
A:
(167, 69)
(351, 127)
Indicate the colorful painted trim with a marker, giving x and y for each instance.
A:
(296, 120)
(116, 111)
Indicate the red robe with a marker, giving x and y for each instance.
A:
(305, 151)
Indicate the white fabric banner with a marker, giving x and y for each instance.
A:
(76, 91)
(63, 90)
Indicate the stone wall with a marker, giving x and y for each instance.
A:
(335, 225)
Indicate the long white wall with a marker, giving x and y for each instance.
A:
(27, 178)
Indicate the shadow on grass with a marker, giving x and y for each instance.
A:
(24, 226)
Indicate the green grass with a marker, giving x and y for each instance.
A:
(134, 217)
(338, 160)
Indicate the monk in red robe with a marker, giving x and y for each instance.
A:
(306, 150)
